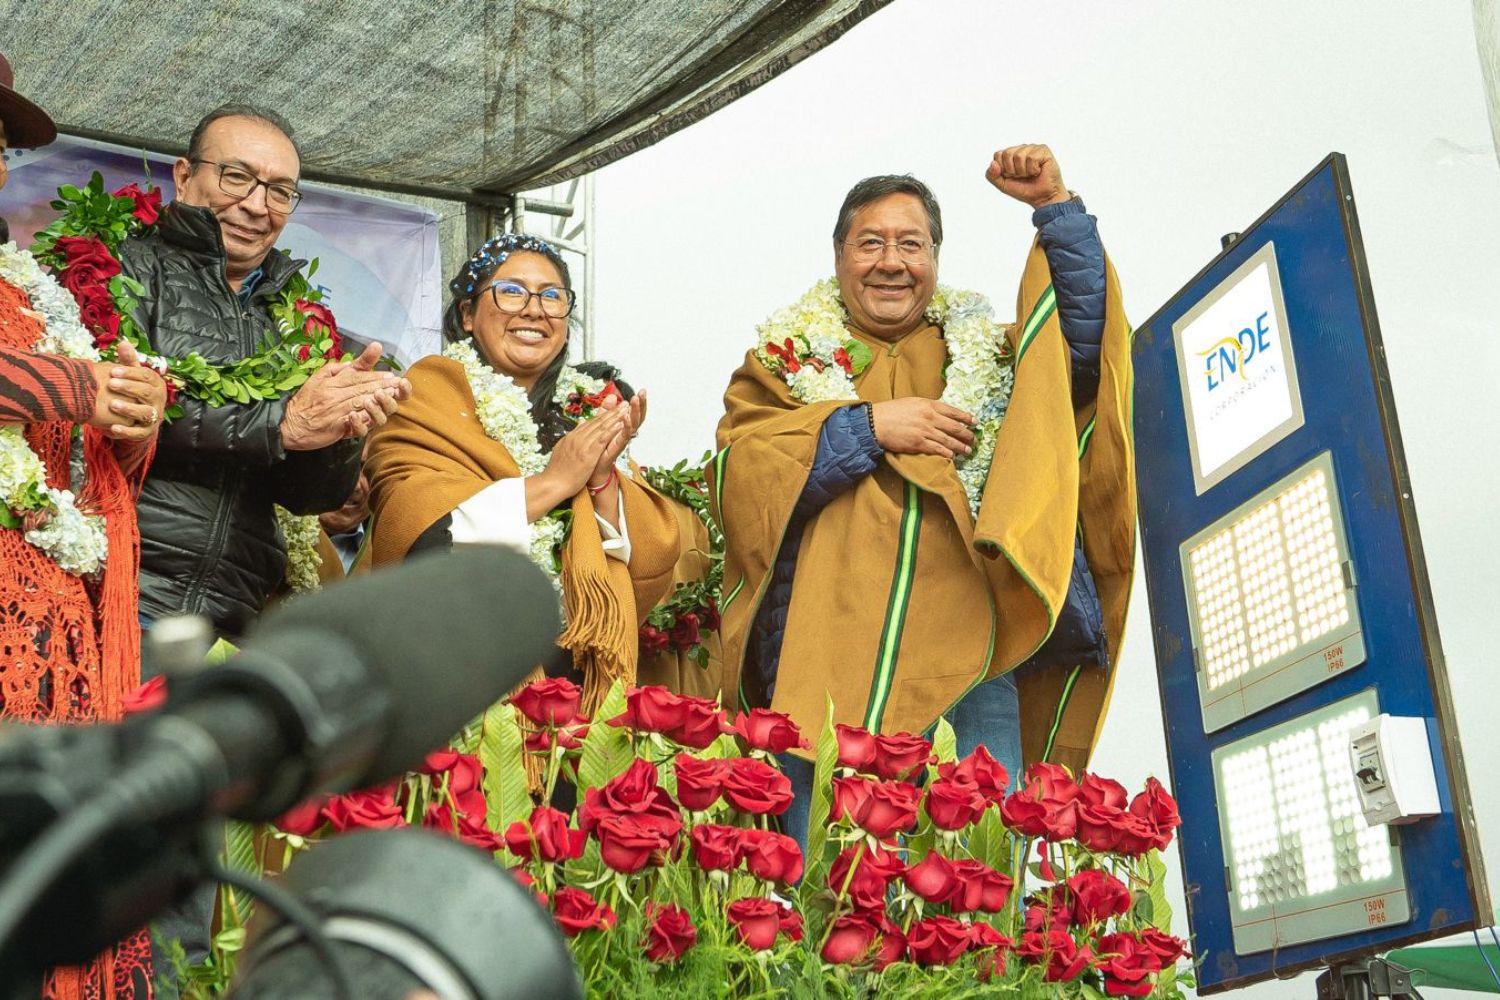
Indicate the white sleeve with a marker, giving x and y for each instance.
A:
(496, 515)
(616, 543)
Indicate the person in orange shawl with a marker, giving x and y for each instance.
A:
(506, 443)
(923, 509)
(69, 549)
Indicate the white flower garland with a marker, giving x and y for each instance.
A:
(505, 414)
(74, 540)
(302, 558)
(980, 373)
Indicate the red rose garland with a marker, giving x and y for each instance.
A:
(82, 248)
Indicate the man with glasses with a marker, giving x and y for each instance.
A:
(869, 561)
(209, 540)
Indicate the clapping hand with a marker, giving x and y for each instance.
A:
(343, 399)
(131, 397)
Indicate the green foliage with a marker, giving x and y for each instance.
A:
(859, 355)
(685, 483)
(606, 749)
(506, 796)
(822, 800)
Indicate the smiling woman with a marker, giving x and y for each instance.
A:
(505, 443)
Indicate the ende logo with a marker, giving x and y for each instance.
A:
(1232, 355)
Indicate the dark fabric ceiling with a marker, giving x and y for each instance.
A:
(458, 98)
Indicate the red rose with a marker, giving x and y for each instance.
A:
(567, 737)
(653, 709)
(932, 878)
(1165, 947)
(1057, 949)
(304, 352)
(773, 732)
(880, 808)
(96, 310)
(653, 640)
(980, 887)
(316, 318)
(755, 787)
(703, 722)
(842, 359)
(369, 808)
(953, 805)
(937, 940)
(1046, 806)
(152, 694)
(1096, 791)
(709, 619)
(774, 857)
(700, 782)
(467, 827)
(633, 792)
(1135, 835)
(982, 935)
(627, 843)
(900, 755)
(756, 920)
(552, 702)
(1126, 964)
(981, 770)
(852, 938)
(147, 203)
(1157, 806)
(1097, 895)
(86, 262)
(669, 932)
(871, 877)
(464, 787)
(856, 746)
(545, 836)
(576, 911)
(716, 847)
(791, 923)
(302, 820)
(1049, 909)
(685, 632)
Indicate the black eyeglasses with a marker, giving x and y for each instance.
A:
(869, 248)
(512, 297)
(281, 198)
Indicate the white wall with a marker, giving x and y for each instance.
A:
(1177, 121)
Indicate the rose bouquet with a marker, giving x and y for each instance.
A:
(922, 875)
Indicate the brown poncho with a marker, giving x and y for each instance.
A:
(433, 455)
(901, 602)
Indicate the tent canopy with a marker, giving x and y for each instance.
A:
(464, 99)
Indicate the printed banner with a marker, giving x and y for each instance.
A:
(379, 266)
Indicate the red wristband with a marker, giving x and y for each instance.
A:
(596, 490)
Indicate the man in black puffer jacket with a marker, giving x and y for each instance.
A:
(209, 539)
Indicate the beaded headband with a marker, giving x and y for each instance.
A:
(492, 254)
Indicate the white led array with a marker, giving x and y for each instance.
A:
(1269, 582)
(1292, 814)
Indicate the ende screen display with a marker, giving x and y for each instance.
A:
(1289, 602)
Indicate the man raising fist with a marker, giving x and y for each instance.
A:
(904, 556)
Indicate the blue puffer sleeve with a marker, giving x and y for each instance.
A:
(1070, 238)
(847, 452)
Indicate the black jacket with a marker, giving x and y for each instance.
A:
(209, 539)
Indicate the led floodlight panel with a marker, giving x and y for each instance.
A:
(1289, 604)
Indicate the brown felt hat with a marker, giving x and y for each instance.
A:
(26, 125)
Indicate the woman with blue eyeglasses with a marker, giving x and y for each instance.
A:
(505, 443)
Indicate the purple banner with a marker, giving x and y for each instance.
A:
(378, 262)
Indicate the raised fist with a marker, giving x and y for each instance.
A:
(1028, 173)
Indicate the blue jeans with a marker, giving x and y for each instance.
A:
(990, 714)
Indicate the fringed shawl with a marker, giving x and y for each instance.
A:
(433, 455)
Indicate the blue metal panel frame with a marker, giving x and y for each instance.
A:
(1349, 411)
